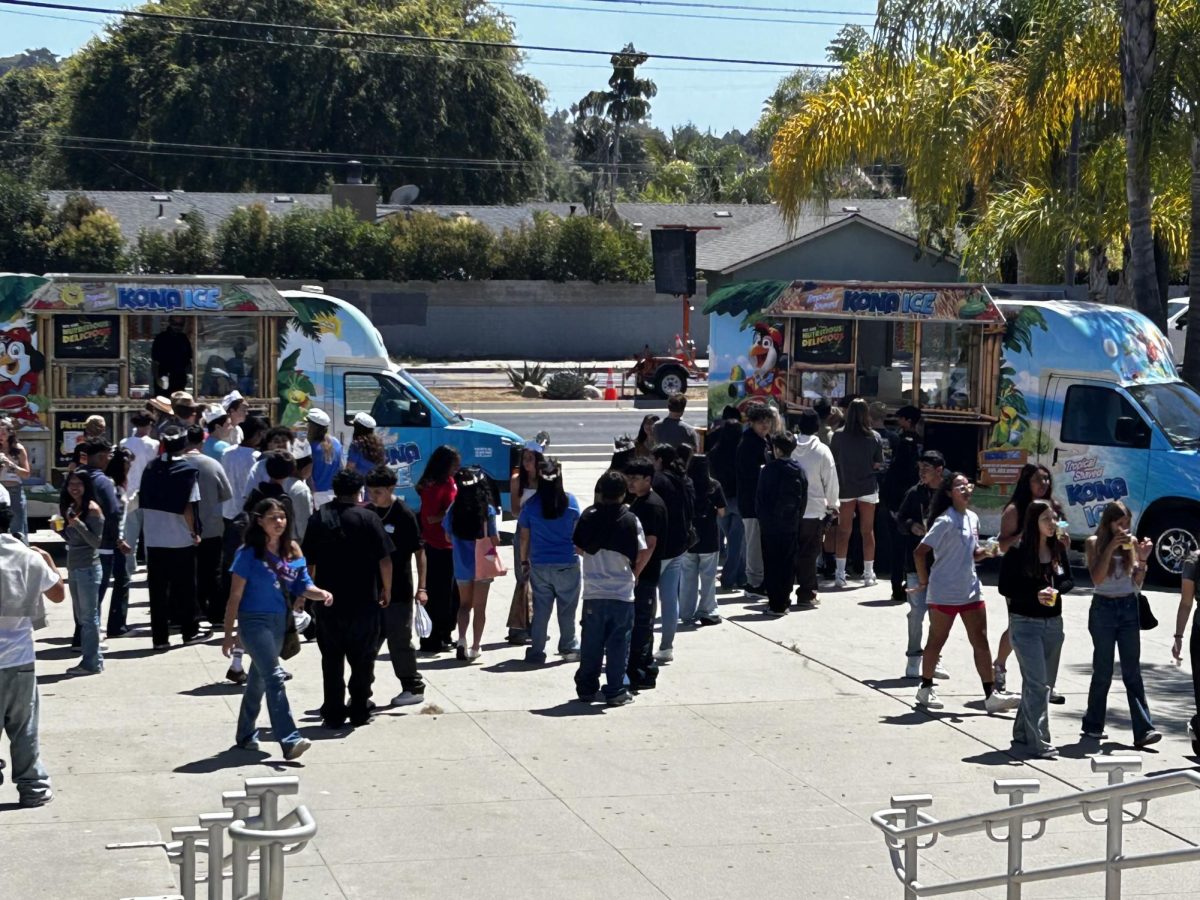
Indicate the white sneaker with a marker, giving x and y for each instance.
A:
(840, 582)
(665, 656)
(927, 697)
(939, 672)
(913, 668)
(999, 677)
(570, 656)
(406, 698)
(870, 580)
(1001, 701)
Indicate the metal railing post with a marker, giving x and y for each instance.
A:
(215, 824)
(187, 835)
(270, 855)
(1016, 789)
(239, 868)
(1115, 767)
(911, 804)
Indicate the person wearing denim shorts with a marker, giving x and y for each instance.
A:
(546, 530)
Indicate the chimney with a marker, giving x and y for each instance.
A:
(358, 197)
(572, 212)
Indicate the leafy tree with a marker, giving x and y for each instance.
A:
(30, 59)
(245, 243)
(87, 238)
(334, 95)
(851, 42)
(27, 227)
(27, 94)
(181, 251)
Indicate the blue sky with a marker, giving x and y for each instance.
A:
(711, 96)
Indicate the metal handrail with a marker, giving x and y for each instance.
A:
(907, 830)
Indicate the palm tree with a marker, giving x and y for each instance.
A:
(627, 101)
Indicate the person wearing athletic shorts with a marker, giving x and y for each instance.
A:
(953, 589)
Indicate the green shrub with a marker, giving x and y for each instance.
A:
(565, 385)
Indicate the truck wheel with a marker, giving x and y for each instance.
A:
(670, 380)
(1174, 536)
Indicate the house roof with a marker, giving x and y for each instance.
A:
(730, 251)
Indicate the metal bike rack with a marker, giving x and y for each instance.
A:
(256, 834)
(907, 830)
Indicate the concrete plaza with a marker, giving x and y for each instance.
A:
(751, 771)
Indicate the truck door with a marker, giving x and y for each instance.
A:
(1098, 449)
(402, 421)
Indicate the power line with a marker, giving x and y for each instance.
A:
(406, 38)
(697, 5)
(667, 15)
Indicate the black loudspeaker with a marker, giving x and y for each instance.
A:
(674, 260)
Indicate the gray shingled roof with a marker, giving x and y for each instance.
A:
(771, 233)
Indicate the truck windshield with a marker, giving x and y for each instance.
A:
(1175, 407)
(446, 412)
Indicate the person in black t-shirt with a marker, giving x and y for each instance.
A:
(902, 474)
(349, 555)
(652, 513)
(672, 484)
(781, 503)
(402, 527)
(912, 521)
(722, 443)
(698, 593)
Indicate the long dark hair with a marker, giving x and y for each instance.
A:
(522, 475)
(703, 483)
(469, 514)
(1104, 533)
(89, 494)
(551, 494)
(437, 470)
(12, 443)
(1022, 494)
(944, 498)
(671, 462)
(644, 441)
(858, 418)
(118, 466)
(255, 536)
(1032, 540)
(318, 435)
(369, 445)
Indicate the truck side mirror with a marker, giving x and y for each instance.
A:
(1129, 430)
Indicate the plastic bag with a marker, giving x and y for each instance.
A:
(421, 622)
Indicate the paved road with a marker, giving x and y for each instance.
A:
(582, 432)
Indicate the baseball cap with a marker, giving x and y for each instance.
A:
(212, 413)
(231, 398)
(183, 398)
(536, 447)
(364, 420)
(318, 417)
(933, 458)
(301, 449)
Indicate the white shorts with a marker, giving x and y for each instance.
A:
(869, 498)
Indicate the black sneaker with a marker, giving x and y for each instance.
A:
(709, 620)
(619, 699)
(596, 697)
(1150, 737)
(460, 653)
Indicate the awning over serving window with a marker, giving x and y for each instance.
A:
(888, 300)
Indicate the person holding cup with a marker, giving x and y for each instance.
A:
(1032, 575)
(1117, 563)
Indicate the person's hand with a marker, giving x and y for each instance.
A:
(385, 598)
(1144, 549)
(918, 529)
(195, 539)
(326, 597)
(421, 596)
(1177, 648)
(124, 547)
(921, 586)
(46, 556)
(1047, 596)
(229, 643)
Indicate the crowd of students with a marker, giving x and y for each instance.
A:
(273, 536)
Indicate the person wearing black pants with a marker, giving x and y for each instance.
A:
(1186, 598)
(901, 475)
(349, 555)
(442, 604)
(780, 504)
(652, 513)
(437, 491)
(171, 580)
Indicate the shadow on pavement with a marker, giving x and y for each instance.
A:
(999, 758)
(888, 602)
(232, 758)
(570, 709)
(883, 684)
(216, 689)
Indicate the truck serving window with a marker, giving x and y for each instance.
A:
(1090, 414)
(1174, 407)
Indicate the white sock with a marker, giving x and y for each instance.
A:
(841, 567)
(235, 661)
(869, 569)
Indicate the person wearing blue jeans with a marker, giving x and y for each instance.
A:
(85, 602)
(83, 534)
(613, 547)
(546, 539)
(672, 483)
(670, 581)
(1117, 564)
(698, 588)
(262, 637)
(733, 533)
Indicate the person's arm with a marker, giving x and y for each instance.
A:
(921, 563)
(237, 585)
(385, 576)
(189, 517)
(90, 526)
(525, 540)
(1010, 528)
(492, 531)
(57, 592)
(829, 480)
(20, 462)
(1098, 564)
(421, 595)
(514, 494)
(877, 454)
(224, 488)
(1187, 596)
(643, 558)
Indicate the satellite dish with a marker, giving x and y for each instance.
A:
(403, 196)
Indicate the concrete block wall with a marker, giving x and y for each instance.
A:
(535, 320)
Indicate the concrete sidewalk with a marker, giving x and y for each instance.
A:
(751, 771)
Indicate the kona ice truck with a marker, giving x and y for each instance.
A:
(72, 346)
(1087, 390)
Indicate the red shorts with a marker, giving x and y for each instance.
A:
(952, 611)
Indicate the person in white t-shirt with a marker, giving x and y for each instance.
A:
(144, 448)
(26, 575)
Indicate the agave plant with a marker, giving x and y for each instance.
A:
(528, 375)
(566, 385)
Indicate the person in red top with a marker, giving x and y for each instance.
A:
(437, 490)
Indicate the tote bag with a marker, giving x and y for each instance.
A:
(487, 560)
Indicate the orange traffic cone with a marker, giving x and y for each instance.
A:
(610, 391)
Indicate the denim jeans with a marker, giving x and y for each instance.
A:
(733, 572)
(554, 585)
(754, 556)
(118, 603)
(85, 602)
(19, 713)
(1113, 622)
(20, 517)
(669, 583)
(1038, 645)
(698, 586)
(606, 628)
(133, 534)
(918, 612)
(262, 636)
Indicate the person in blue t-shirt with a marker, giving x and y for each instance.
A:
(268, 576)
(327, 456)
(469, 520)
(547, 539)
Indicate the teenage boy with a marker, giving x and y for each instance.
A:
(651, 512)
(673, 430)
(901, 475)
(722, 443)
(781, 503)
(912, 521)
(402, 527)
(817, 461)
(753, 452)
(614, 549)
(214, 491)
(144, 448)
(26, 575)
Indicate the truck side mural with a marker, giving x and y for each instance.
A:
(22, 364)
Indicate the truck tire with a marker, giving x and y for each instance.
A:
(1174, 535)
(670, 380)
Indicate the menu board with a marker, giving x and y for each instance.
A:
(87, 337)
(68, 431)
(822, 342)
